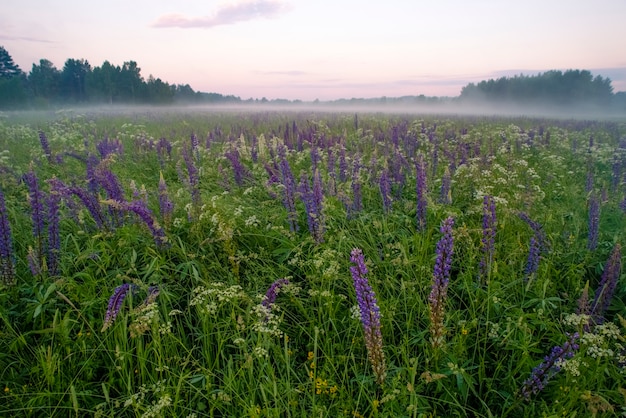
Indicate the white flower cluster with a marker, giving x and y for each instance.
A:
(603, 341)
(144, 317)
(209, 299)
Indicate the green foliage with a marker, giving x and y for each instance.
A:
(207, 346)
(572, 87)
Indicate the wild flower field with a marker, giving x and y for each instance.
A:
(296, 264)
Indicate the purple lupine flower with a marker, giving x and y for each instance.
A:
(115, 304)
(594, 221)
(166, 206)
(607, 285)
(584, 307)
(107, 147)
(315, 157)
(357, 197)
(195, 144)
(54, 236)
(532, 263)
(312, 200)
(397, 172)
(45, 145)
(163, 148)
(540, 236)
(38, 211)
(140, 209)
(289, 190)
(551, 365)
(384, 185)
(193, 180)
(7, 264)
(318, 199)
(441, 278)
(153, 293)
(421, 191)
(589, 182)
(616, 173)
(90, 201)
(33, 262)
(254, 149)
(370, 315)
(109, 182)
(445, 195)
(92, 180)
(239, 169)
(343, 165)
(489, 234)
(270, 296)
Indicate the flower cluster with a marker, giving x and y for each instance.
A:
(420, 186)
(549, 367)
(313, 201)
(532, 264)
(370, 315)
(7, 266)
(441, 278)
(384, 185)
(115, 303)
(594, 221)
(606, 288)
(289, 190)
(489, 235)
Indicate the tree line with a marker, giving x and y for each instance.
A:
(80, 83)
(572, 87)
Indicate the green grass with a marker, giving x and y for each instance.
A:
(202, 349)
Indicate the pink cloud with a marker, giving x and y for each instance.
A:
(225, 15)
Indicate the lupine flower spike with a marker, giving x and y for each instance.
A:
(7, 266)
(551, 365)
(271, 294)
(608, 283)
(370, 315)
(115, 304)
(441, 278)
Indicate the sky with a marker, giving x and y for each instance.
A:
(323, 49)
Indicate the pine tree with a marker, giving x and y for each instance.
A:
(8, 69)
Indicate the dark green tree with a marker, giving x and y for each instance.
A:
(131, 83)
(13, 83)
(8, 69)
(73, 79)
(103, 83)
(157, 91)
(45, 82)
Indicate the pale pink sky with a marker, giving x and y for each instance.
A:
(323, 49)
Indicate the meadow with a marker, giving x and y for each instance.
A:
(309, 264)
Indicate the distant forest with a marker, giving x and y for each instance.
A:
(78, 82)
